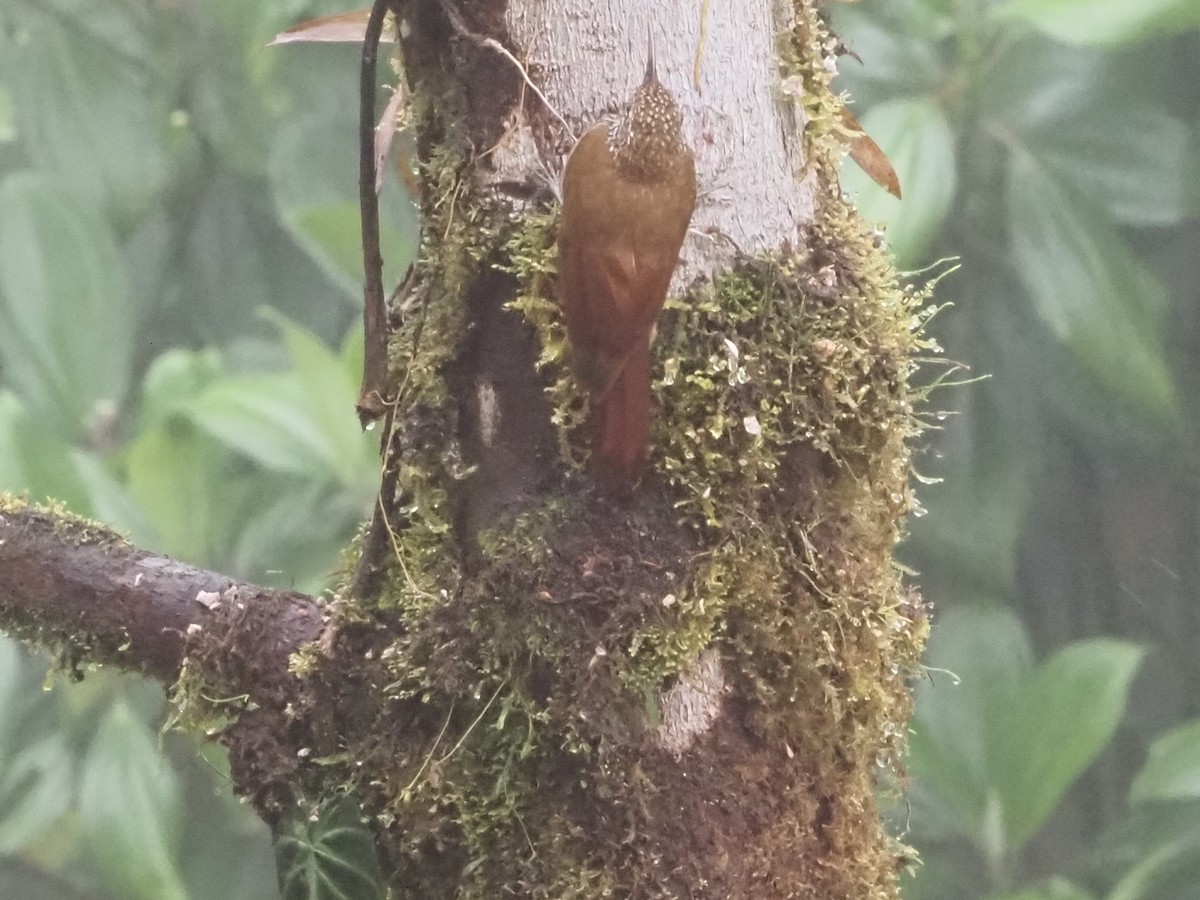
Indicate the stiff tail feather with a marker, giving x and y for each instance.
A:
(620, 423)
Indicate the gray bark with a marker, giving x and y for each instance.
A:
(745, 132)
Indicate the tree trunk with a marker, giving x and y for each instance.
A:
(694, 696)
(545, 695)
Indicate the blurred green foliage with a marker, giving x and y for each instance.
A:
(1051, 146)
(165, 178)
(179, 357)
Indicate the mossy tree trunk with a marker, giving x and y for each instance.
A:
(541, 694)
(694, 696)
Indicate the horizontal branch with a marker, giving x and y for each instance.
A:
(71, 585)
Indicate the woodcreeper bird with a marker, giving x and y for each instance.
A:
(629, 189)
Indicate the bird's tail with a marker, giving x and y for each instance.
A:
(620, 423)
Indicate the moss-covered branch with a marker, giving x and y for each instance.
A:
(83, 592)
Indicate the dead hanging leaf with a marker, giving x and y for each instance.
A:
(385, 132)
(343, 28)
(869, 156)
(385, 136)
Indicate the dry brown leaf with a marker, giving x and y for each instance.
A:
(342, 28)
(385, 132)
(869, 156)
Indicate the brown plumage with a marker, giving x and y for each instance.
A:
(628, 193)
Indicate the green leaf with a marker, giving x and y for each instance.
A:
(1002, 747)
(193, 466)
(301, 421)
(1170, 870)
(1172, 771)
(329, 233)
(330, 392)
(300, 530)
(1129, 158)
(130, 803)
(315, 183)
(1151, 853)
(327, 854)
(1078, 115)
(916, 137)
(35, 461)
(1060, 720)
(1090, 290)
(977, 659)
(1102, 22)
(91, 117)
(172, 470)
(110, 501)
(173, 381)
(66, 334)
(35, 791)
(172, 473)
(266, 417)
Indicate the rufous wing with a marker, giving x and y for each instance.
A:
(619, 243)
(611, 301)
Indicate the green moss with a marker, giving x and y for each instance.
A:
(73, 651)
(498, 721)
(65, 524)
(432, 322)
(533, 258)
(788, 464)
(518, 698)
(198, 707)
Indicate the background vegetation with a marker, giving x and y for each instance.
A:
(1051, 146)
(165, 178)
(179, 356)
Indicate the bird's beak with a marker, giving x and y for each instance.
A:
(651, 76)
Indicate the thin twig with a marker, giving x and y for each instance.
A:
(429, 756)
(479, 718)
(372, 396)
(368, 572)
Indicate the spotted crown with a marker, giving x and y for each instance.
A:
(648, 140)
